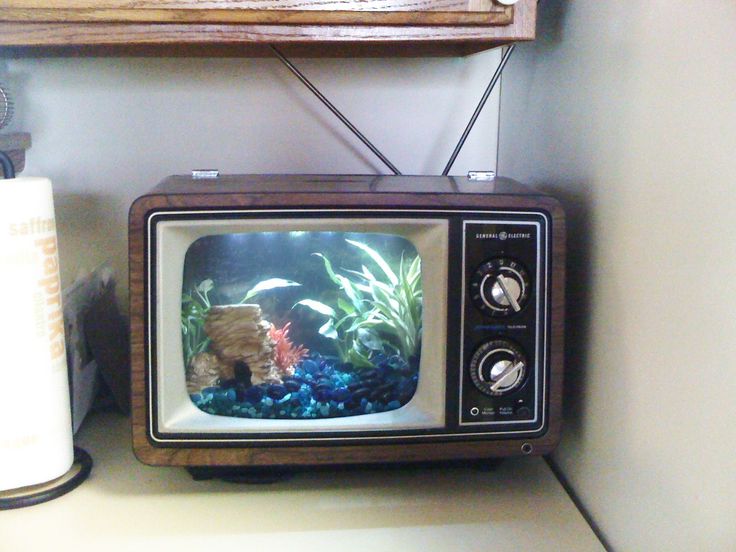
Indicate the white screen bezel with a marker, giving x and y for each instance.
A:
(177, 416)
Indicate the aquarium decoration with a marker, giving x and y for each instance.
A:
(285, 354)
(364, 331)
(240, 340)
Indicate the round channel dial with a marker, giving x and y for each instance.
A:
(498, 367)
(500, 287)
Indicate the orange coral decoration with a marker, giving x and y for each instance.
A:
(285, 353)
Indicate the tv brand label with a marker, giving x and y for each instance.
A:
(503, 236)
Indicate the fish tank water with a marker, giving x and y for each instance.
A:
(301, 324)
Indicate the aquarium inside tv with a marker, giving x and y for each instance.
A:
(296, 319)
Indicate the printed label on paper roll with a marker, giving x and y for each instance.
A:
(35, 435)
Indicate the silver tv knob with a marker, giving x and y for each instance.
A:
(505, 292)
(498, 367)
(500, 287)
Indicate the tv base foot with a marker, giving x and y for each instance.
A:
(249, 476)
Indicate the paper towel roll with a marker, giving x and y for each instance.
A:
(35, 418)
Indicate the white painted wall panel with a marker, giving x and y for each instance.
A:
(627, 111)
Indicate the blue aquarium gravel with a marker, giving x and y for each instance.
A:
(321, 387)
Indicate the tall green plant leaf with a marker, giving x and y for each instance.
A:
(328, 330)
(383, 265)
(317, 306)
(265, 285)
(328, 268)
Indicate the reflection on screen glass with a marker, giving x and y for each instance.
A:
(301, 325)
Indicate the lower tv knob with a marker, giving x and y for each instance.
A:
(498, 367)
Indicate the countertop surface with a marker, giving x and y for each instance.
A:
(128, 506)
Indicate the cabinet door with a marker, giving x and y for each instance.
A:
(261, 12)
(245, 27)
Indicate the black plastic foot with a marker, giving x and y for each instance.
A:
(250, 476)
(488, 464)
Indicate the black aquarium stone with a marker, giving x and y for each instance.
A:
(319, 388)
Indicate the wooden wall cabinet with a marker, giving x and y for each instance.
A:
(246, 27)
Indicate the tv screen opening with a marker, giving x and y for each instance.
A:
(293, 325)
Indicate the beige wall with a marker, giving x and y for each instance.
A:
(627, 111)
(107, 130)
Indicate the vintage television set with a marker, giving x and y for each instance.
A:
(282, 321)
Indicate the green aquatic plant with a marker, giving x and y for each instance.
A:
(377, 311)
(266, 285)
(196, 303)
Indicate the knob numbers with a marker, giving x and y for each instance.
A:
(500, 287)
(498, 367)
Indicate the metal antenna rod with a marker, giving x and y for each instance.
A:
(481, 104)
(334, 110)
